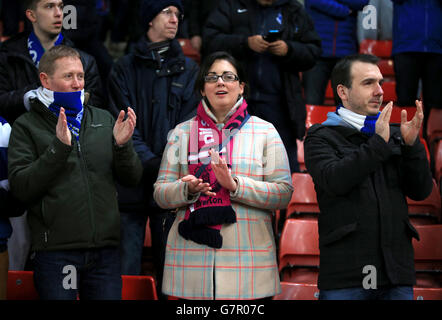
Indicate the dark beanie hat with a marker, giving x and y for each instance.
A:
(150, 8)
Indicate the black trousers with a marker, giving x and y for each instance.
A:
(409, 68)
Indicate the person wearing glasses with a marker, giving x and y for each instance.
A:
(224, 172)
(156, 80)
(275, 40)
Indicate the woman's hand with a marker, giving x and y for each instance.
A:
(222, 173)
(196, 185)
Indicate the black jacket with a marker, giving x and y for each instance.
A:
(232, 22)
(361, 185)
(18, 75)
(162, 95)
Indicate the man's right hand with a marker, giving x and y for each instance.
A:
(383, 123)
(257, 43)
(62, 131)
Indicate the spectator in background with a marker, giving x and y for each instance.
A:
(221, 245)
(198, 13)
(20, 56)
(157, 81)
(88, 34)
(417, 52)
(273, 66)
(363, 168)
(10, 207)
(64, 159)
(11, 14)
(336, 23)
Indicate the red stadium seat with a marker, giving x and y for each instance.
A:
(21, 286)
(299, 251)
(386, 68)
(329, 96)
(427, 293)
(438, 163)
(428, 256)
(427, 209)
(389, 88)
(297, 291)
(300, 151)
(138, 288)
(304, 200)
(317, 114)
(434, 125)
(379, 48)
(147, 236)
(189, 51)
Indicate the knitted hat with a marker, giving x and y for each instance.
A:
(149, 9)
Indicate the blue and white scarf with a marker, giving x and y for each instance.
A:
(35, 48)
(72, 102)
(5, 132)
(365, 124)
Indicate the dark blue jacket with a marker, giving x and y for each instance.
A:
(336, 23)
(417, 26)
(162, 95)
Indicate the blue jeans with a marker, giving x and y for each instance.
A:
(387, 293)
(93, 274)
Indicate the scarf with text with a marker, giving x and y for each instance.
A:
(35, 48)
(204, 218)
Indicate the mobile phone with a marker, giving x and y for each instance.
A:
(272, 36)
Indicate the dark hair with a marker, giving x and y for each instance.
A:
(47, 61)
(30, 4)
(209, 61)
(341, 73)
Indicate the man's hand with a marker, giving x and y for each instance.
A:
(410, 129)
(62, 131)
(196, 42)
(257, 43)
(222, 173)
(196, 185)
(382, 126)
(123, 130)
(278, 48)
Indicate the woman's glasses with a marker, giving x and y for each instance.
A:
(227, 76)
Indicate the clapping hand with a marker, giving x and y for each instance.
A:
(62, 131)
(222, 172)
(123, 129)
(410, 129)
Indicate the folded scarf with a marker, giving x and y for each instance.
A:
(35, 48)
(72, 102)
(365, 124)
(204, 218)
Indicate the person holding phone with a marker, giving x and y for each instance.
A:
(274, 40)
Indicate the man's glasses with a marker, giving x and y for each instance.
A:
(226, 76)
(169, 13)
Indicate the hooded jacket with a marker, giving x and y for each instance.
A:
(361, 184)
(70, 190)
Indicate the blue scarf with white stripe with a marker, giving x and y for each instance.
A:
(365, 124)
(35, 48)
(72, 102)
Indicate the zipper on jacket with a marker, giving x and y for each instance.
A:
(86, 180)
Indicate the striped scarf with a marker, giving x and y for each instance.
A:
(365, 124)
